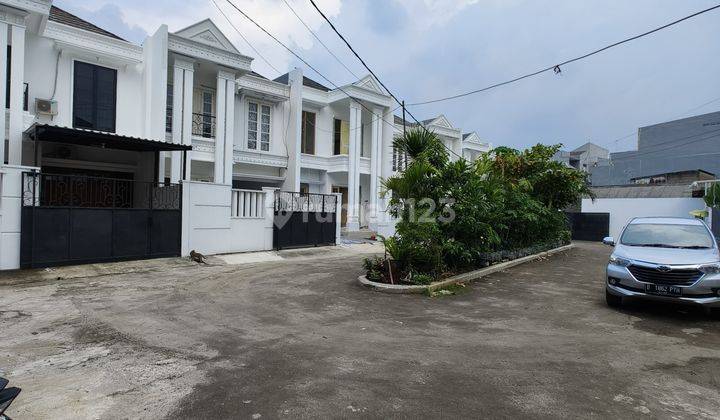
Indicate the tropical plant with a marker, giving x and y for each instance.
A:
(712, 195)
(453, 213)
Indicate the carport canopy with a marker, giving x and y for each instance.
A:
(85, 137)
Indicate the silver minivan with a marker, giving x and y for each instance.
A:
(668, 259)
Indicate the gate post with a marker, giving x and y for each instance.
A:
(269, 215)
(338, 211)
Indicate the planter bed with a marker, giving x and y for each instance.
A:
(460, 278)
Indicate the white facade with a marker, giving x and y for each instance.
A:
(193, 87)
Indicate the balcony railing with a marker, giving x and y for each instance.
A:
(203, 125)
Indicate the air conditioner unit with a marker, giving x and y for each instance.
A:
(46, 106)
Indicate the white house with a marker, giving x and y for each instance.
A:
(184, 133)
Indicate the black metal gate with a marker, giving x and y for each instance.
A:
(589, 226)
(71, 219)
(304, 220)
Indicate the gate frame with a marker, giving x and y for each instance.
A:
(34, 198)
(327, 208)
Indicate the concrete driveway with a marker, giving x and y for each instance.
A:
(299, 338)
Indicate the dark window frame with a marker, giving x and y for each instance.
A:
(337, 135)
(97, 94)
(306, 147)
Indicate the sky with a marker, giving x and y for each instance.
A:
(425, 49)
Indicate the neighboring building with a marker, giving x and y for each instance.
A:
(584, 157)
(468, 145)
(473, 146)
(688, 144)
(111, 124)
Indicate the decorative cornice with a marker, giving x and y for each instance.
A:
(68, 37)
(203, 51)
(203, 145)
(184, 63)
(227, 75)
(12, 16)
(444, 131)
(360, 93)
(336, 163)
(255, 158)
(37, 6)
(264, 87)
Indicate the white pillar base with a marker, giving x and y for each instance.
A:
(352, 225)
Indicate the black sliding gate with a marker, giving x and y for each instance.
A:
(71, 219)
(589, 226)
(304, 220)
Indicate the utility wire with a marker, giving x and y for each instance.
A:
(245, 39)
(303, 60)
(320, 40)
(401, 103)
(713, 134)
(556, 67)
(682, 114)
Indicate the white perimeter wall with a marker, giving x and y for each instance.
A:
(10, 209)
(208, 227)
(623, 209)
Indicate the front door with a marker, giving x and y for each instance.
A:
(343, 214)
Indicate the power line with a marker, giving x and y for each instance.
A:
(715, 133)
(243, 37)
(401, 103)
(303, 60)
(556, 67)
(320, 40)
(704, 104)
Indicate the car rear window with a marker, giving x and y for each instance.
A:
(667, 236)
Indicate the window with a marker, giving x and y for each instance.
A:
(207, 114)
(94, 97)
(307, 134)
(667, 236)
(169, 108)
(341, 137)
(304, 188)
(259, 126)
(7, 77)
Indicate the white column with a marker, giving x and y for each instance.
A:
(3, 76)
(327, 189)
(229, 126)
(187, 115)
(294, 110)
(353, 212)
(17, 77)
(375, 161)
(219, 174)
(177, 117)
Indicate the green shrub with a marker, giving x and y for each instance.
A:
(456, 215)
(373, 268)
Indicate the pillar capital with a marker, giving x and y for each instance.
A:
(184, 63)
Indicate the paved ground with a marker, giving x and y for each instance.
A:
(299, 338)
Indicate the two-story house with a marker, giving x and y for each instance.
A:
(103, 134)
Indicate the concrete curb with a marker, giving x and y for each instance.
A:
(460, 278)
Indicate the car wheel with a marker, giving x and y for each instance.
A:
(612, 300)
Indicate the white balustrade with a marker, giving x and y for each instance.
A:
(247, 204)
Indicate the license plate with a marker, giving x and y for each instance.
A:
(663, 290)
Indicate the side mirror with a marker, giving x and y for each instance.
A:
(608, 240)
